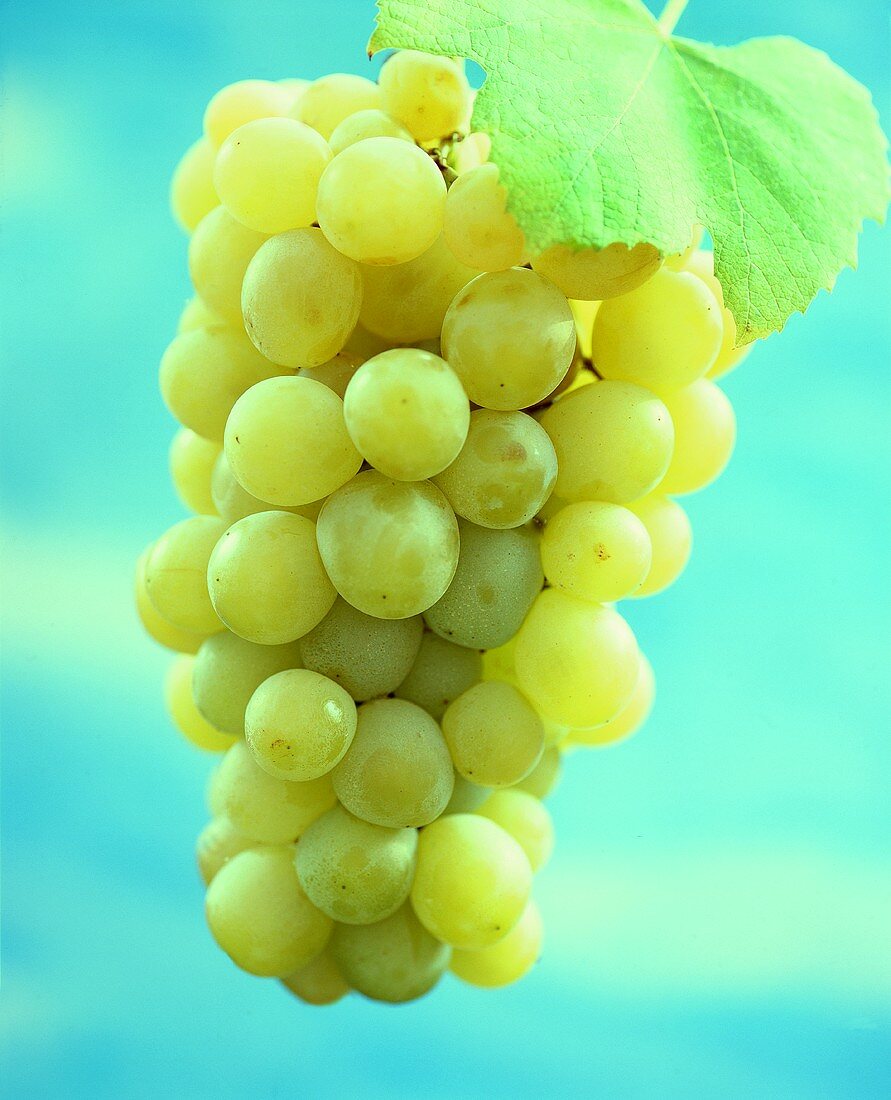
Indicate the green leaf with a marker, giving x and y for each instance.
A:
(607, 128)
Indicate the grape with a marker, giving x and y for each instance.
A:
(510, 337)
(295, 87)
(192, 193)
(228, 670)
(592, 274)
(183, 712)
(217, 843)
(197, 314)
(381, 201)
(219, 254)
(243, 102)
(472, 881)
(672, 538)
(267, 174)
(478, 227)
(406, 413)
(498, 663)
(678, 261)
(192, 460)
(523, 816)
(506, 961)
(330, 99)
(398, 771)
(613, 442)
(664, 335)
(366, 124)
(505, 471)
(233, 502)
(440, 673)
(702, 264)
(319, 982)
(366, 655)
(299, 724)
(390, 547)
(157, 627)
(300, 299)
(545, 776)
(704, 434)
(596, 551)
(498, 577)
(266, 809)
(336, 373)
(260, 916)
(577, 662)
(356, 872)
(470, 152)
(204, 372)
(176, 574)
(395, 960)
(407, 302)
(466, 796)
(494, 736)
(287, 442)
(430, 95)
(362, 343)
(266, 579)
(629, 719)
(584, 314)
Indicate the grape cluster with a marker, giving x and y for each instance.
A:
(424, 465)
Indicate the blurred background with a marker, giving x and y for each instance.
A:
(719, 906)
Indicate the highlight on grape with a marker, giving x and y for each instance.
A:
(425, 461)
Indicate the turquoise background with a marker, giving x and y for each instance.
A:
(719, 907)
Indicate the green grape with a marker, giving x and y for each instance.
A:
(672, 539)
(592, 274)
(176, 574)
(217, 843)
(440, 673)
(267, 174)
(330, 99)
(197, 314)
(366, 124)
(629, 719)
(472, 881)
(407, 303)
(192, 460)
(478, 228)
(498, 577)
(319, 982)
(523, 816)
(390, 547)
(356, 872)
(299, 724)
(506, 961)
(704, 435)
(233, 502)
(664, 335)
(336, 373)
(228, 670)
(381, 201)
(204, 372)
(406, 413)
(613, 442)
(258, 913)
(702, 264)
(300, 299)
(156, 626)
(494, 736)
(192, 193)
(545, 776)
(577, 662)
(510, 337)
(367, 656)
(395, 960)
(287, 442)
(398, 771)
(596, 551)
(362, 343)
(266, 579)
(466, 797)
(183, 712)
(214, 793)
(505, 471)
(243, 102)
(430, 95)
(219, 254)
(266, 809)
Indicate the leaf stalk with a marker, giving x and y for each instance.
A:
(672, 12)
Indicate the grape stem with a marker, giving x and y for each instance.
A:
(672, 12)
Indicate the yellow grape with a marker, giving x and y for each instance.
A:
(197, 314)
(156, 626)
(192, 460)
(429, 94)
(592, 274)
(478, 228)
(523, 816)
(702, 264)
(192, 193)
(671, 537)
(243, 102)
(233, 502)
(629, 719)
(545, 776)
(185, 715)
(584, 314)
(219, 254)
(494, 736)
(330, 99)
(217, 843)
(336, 373)
(704, 435)
(319, 982)
(506, 961)
(366, 124)
(176, 574)
(466, 797)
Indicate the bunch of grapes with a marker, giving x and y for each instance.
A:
(424, 466)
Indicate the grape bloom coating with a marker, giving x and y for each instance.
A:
(421, 464)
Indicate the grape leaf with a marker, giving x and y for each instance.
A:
(605, 127)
